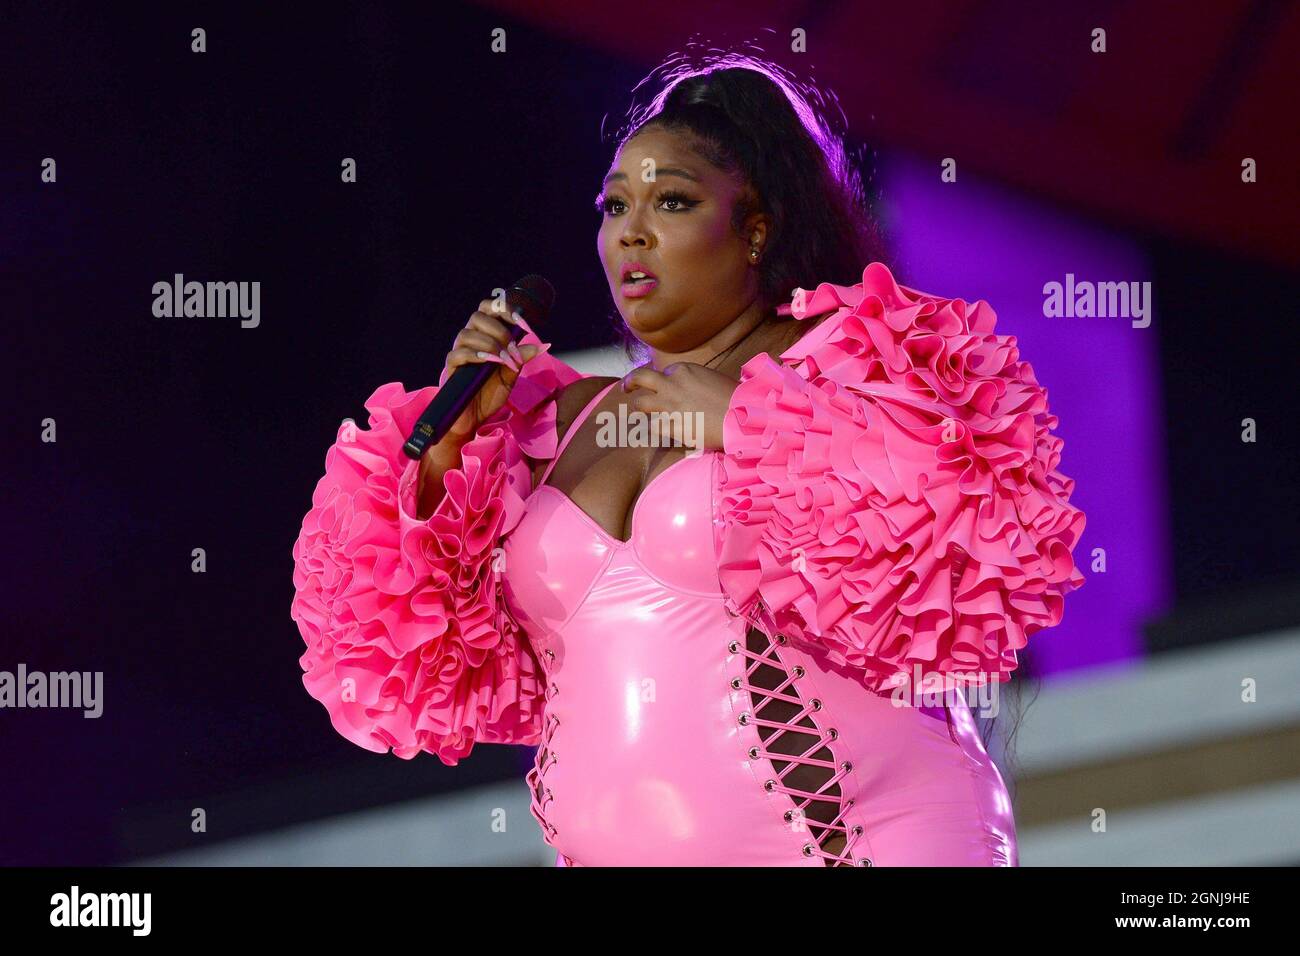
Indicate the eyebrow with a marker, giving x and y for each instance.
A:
(660, 171)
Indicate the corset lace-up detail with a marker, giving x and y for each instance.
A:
(539, 793)
(804, 766)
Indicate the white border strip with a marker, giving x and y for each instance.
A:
(1174, 699)
(449, 830)
(1248, 827)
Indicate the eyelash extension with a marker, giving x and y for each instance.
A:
(602, 203)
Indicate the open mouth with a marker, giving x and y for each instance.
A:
(634, 289)
(637, 282)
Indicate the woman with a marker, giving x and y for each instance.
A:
(719, 655)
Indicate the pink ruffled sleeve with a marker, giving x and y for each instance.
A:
(890, 496)
(409, 644)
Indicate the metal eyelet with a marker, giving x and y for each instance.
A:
(807, 849)
(743, 719)
(735, 683)
(782, 640)
(753, 753)
(734, 647)
(799, 671)
(835, 734)
(857, 831)
(846, 766)
(864, 862)
(769, 785)
(550, 653)
(816, 704)
(788, 815)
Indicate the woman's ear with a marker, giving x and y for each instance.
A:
(756, 231)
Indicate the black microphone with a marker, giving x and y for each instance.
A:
(532, 297)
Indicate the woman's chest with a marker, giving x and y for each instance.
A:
(558, 555)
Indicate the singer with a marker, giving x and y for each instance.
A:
(722, 657)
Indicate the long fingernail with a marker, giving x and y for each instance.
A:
(488, 356)
(519, 321)
(509, 361)
(514, 352)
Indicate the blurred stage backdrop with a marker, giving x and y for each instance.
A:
(1168, 695)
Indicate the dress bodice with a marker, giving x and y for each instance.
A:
(557, 553)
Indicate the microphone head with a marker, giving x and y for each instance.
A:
(539, 291)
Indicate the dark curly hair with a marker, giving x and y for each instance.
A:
(753, 119)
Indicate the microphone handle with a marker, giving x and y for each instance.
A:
(452, 399)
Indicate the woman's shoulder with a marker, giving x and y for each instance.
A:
(573, 397)
(570, 400)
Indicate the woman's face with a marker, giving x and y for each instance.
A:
(676, 228)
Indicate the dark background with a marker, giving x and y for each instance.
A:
(473, 169)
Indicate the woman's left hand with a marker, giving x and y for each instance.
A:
(685, 388)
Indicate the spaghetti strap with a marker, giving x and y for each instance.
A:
(573, 429)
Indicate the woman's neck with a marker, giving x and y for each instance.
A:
(757, 329)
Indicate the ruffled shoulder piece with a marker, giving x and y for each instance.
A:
(409, 645)
(890, 494)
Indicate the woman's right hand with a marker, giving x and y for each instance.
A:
(488, 331)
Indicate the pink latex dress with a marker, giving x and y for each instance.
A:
(725, 687)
